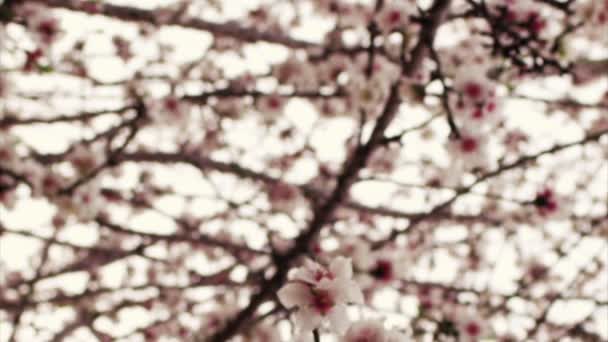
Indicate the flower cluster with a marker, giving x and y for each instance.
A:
(475, 105)
(84, 202)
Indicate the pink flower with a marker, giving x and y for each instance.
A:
(271, 106)
(321, 294)
(44, 26)
(469, 151)
(384, 160)
(471, 327)
(365, 331)
(546, 202)
(372, 331)
(394, 16)
(368, 95)
(123, 48)
(85, 159)
(169, 110)
(283, 196)
(514, 139)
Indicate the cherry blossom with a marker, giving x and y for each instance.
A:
(469, 151)
(395, 15)
(372, 331)
(169, 110)
(271, 106)
(321, 293)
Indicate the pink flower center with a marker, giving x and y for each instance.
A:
(31, 59)
(274, 103)
(320, 274)
(383, 270)
(468, 144)
(536, 21)
(472, 329)
(83, 163)
(282, 192)
(477, 113)
(171, 104)
(322, 301)
(86, 198)
(394, 17)
(491, 106)
(49, 183)
(538, 272)
(47, 28)
(545, 202)
(472, 89)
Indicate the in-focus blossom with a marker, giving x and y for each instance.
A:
(321, 294)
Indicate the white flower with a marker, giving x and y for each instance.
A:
(472, 329)
(473, 85)
(169, 110)
(383, 160)
(45, 27)
(284, 197)
(87, 201)
(84, 159)
(368, 95)
(365, 331)
(395, 15)
(321, 294)
(469, 151)
(271, 106)
(372, 331)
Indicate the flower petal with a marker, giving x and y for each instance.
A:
(294, 294)
(354, 293)
(307, 320)
(342, 268)
(338, 318)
